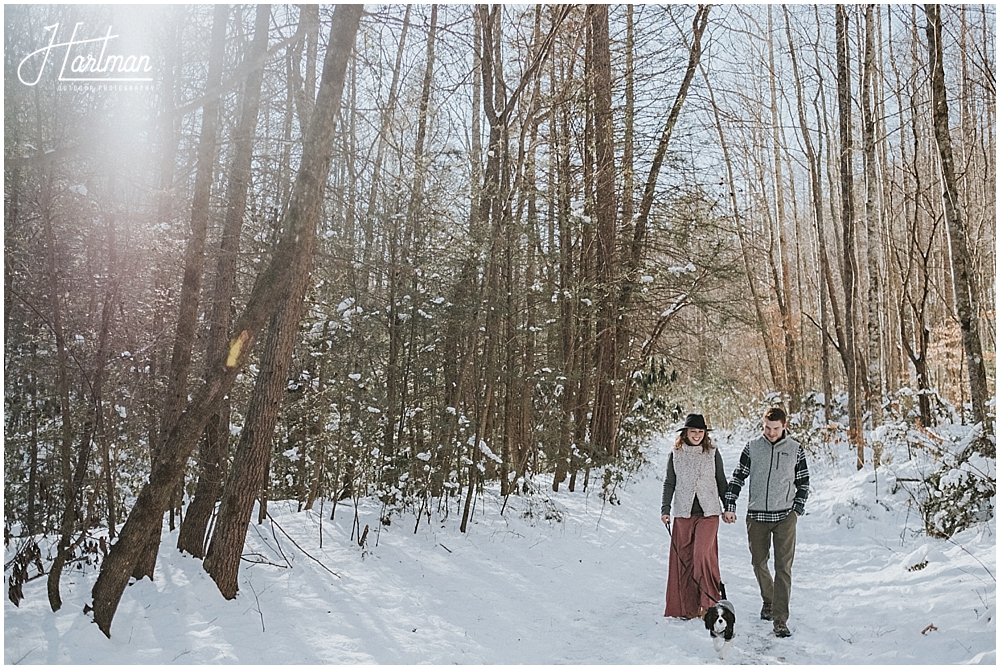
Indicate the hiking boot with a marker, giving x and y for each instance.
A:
(781, 629)
(765, 611)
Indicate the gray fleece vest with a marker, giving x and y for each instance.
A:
(772, 474)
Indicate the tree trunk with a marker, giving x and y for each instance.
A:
(816, 191)
(567, 305)
(62, 387)
(180, 363)
(604, 421)
(855, 425)
(271, 290)
(214, 448)
(792, 376)
(31, 523)
(873, 224)
(111, 298)
(966, 295)
(250, 464)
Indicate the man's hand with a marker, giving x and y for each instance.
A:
(666, 519)
(729, 517)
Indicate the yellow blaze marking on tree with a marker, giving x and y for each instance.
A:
(235, 347)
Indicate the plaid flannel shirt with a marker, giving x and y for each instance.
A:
(801, 488)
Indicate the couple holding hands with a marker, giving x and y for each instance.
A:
(696, 494)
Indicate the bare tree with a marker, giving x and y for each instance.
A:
(855, 418)
(966, 295)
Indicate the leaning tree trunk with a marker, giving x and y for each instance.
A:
(966, 303)
(634, 248)
(271, 290)
(250, 464)
(215, 443)
(187, 316)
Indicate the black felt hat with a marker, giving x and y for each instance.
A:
(695, 421)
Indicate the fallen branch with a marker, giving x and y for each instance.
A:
(277, 544)
(261, 560)
(256, 599)
(304, 552)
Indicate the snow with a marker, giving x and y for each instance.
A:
(557, 578)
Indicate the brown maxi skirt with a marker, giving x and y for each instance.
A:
(693, 580)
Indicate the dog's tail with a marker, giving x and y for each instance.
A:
(722, 590)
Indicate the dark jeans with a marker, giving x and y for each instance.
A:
(776, 590)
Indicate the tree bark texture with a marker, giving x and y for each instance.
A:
(873, 223)
(250, 464)
(604, 421)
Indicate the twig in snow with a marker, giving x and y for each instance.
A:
(974, 558)
(256, 599)
(26, 655)
(257, 530)
(278, 543)
(263, 560)
(275, 524)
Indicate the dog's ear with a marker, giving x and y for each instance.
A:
(710, 617)
(731, 626)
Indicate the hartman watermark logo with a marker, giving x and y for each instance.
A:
(85, 61)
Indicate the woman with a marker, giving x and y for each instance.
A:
(696, 483)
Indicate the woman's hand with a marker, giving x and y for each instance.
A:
(666, 519)
(729, 517)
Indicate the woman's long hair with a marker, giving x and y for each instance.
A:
(706, 442)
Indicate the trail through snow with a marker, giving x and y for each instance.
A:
(557, 579)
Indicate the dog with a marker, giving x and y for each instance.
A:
(720, 621)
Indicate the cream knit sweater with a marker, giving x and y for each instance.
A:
(695, 476)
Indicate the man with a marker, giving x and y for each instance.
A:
(779, 487)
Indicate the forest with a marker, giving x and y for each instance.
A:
(408, 252)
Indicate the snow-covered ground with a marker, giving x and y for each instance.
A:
(556, 579)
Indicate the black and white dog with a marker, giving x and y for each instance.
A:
(720, 620)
